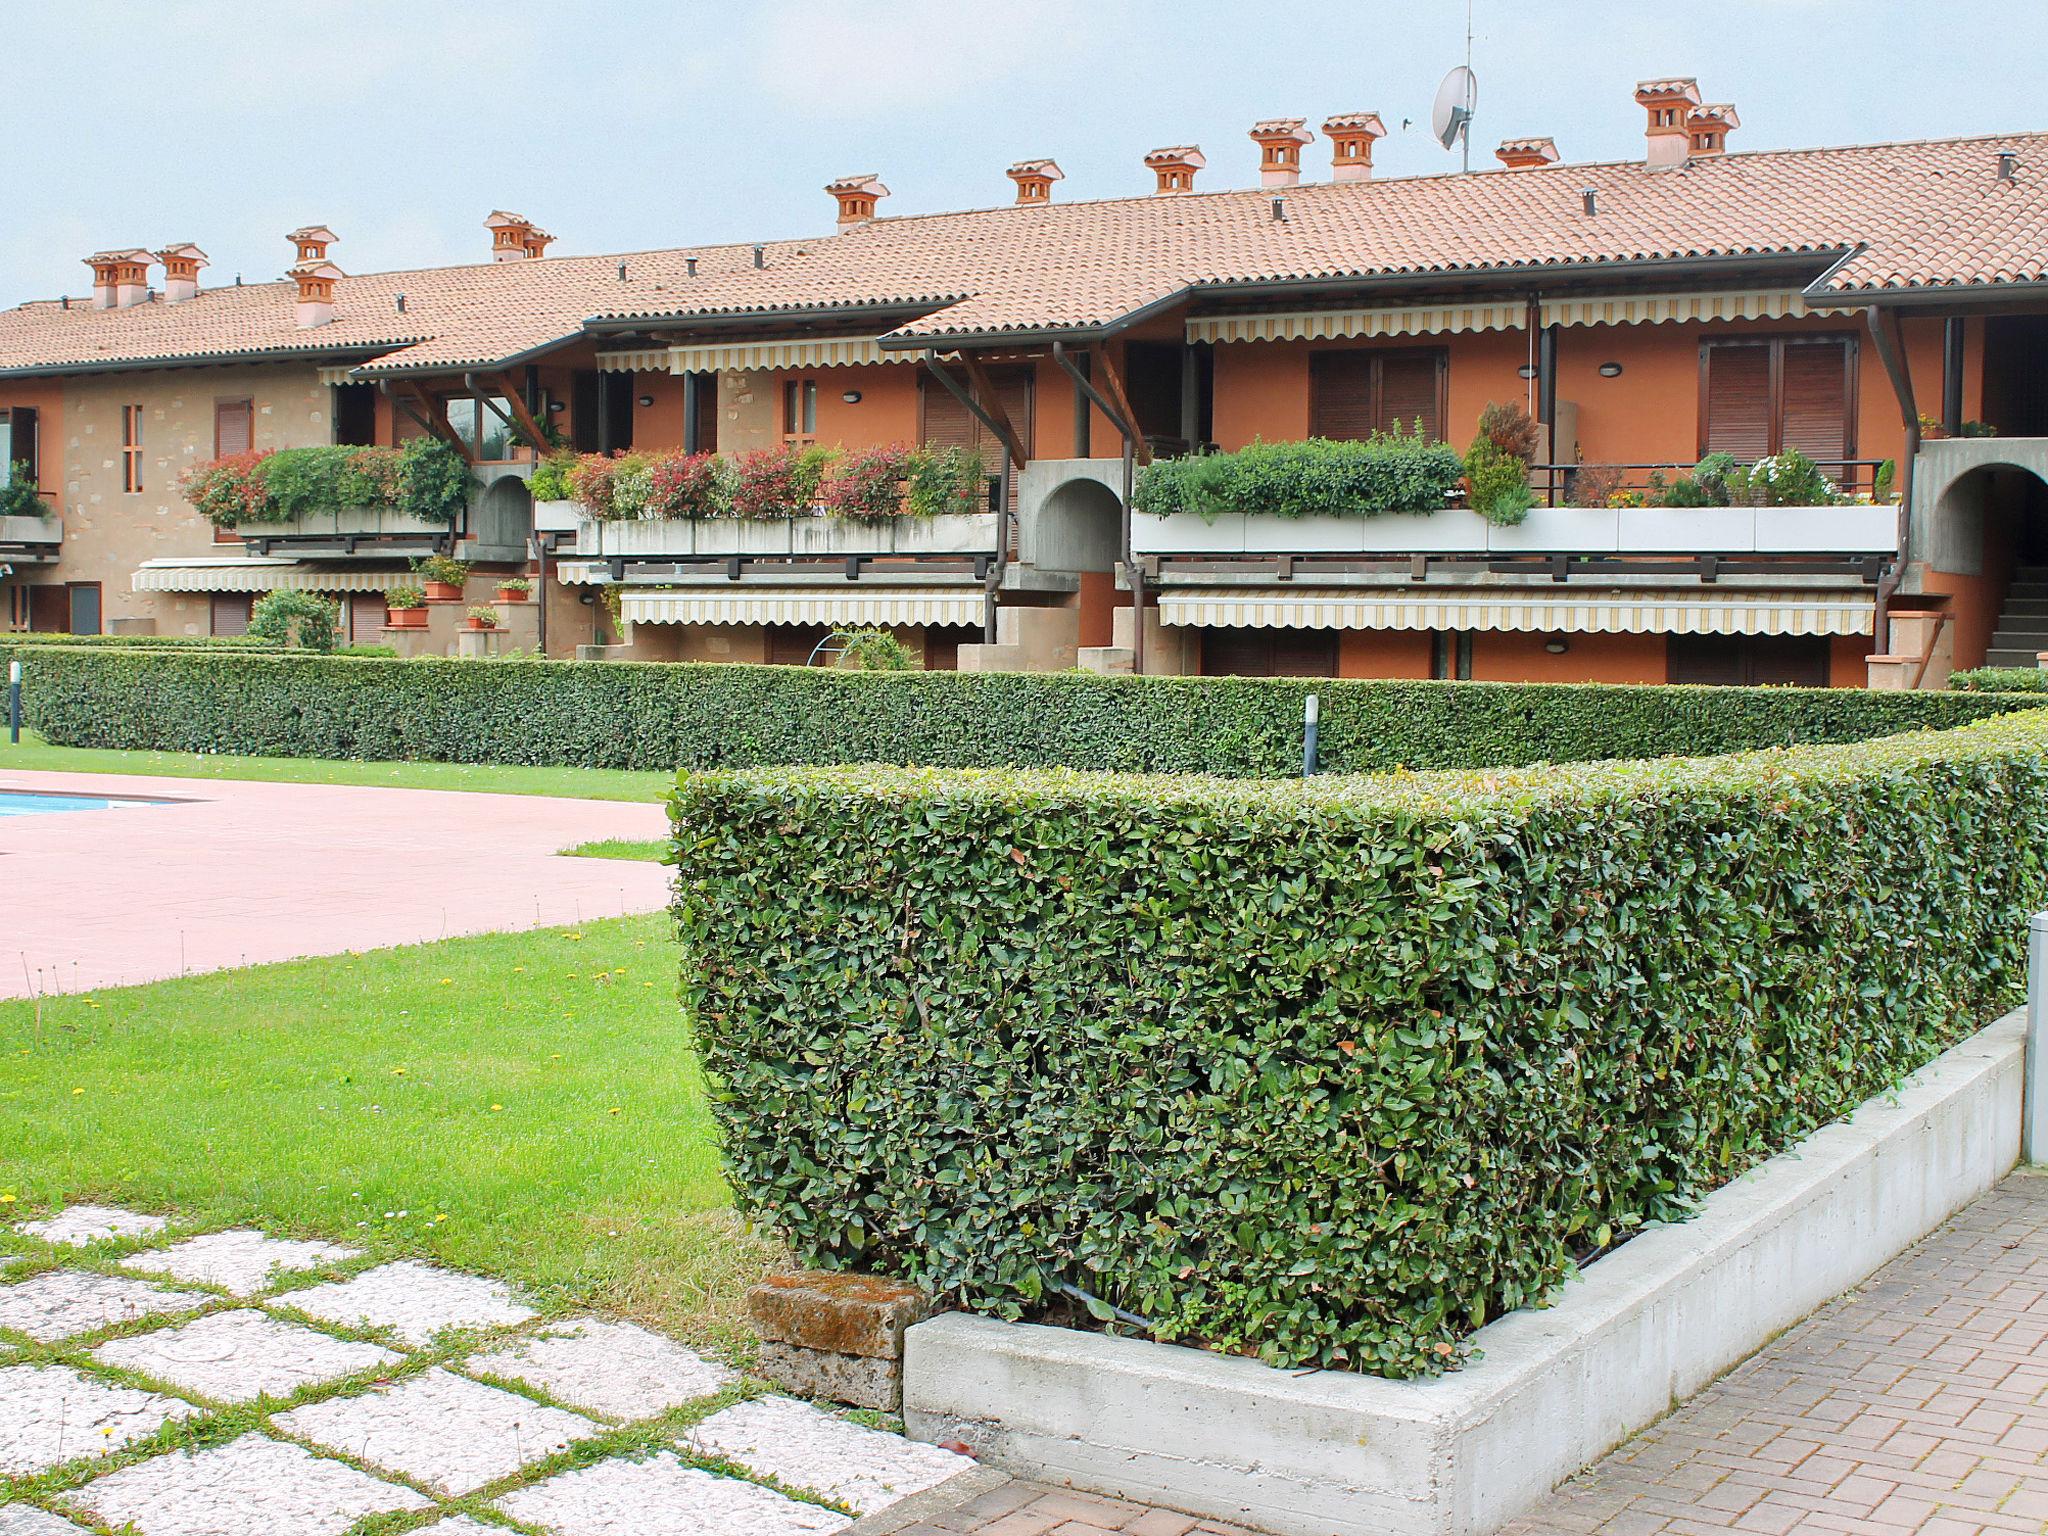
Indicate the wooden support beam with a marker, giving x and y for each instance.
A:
(992, 410)
(522, 418)
(419, 405)
(1107, 377)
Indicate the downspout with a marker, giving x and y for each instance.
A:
(1132, 569)
(1888, 337)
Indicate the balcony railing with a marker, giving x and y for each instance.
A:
(346, 527)
(964, 535)
(31, 538)
(1556, 485)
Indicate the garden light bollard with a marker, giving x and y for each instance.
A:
(1311, 715)
(2034, 1078)
(14, 702)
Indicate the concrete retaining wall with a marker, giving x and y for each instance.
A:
(1331, 1454)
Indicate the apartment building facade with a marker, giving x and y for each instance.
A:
(1876, 308)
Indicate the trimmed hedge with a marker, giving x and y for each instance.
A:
(1999, 680)
(1330, 1072)
(660, 716)
(1387, 472)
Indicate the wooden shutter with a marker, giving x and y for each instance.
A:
(1340, 395)
(234, 427)
(366, 617)
(230, 613)
(947, 423)
(1410, 387)
(1738, 390)
(1269, 653)
(1814, 385)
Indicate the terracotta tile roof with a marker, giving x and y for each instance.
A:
(1874, 218)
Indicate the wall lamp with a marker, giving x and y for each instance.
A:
(1610, 370)
(1556, 647)
(645, 401)
(1527, 371)
(851, 397)
(556, 407)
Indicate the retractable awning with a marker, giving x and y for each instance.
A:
(751, 356)
(1606, 613)
(258, 574)
(805, 605)
(1338, 324)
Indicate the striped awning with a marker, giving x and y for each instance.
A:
(258, 574)
(802, 605)
(1338, 324)
(752, 356)
(1656, 308)
(1602, 613)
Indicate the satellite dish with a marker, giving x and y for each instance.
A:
(1456, 99)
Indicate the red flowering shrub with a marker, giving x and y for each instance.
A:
(228, 490)
(869, 485)
(778, 482)
(689, 485)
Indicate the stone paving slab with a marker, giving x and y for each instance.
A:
(241, 1262)
(24, 1520)
(253, 1486)
(237, 1357)
(295, 869)
(415, 1301)
(662, 1497)
(613, 1369)
(440, 1429)
(805, 1447)
(80, 1224)
(50, 1414)
(61, 1303)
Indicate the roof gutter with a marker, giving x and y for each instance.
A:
(429, 370)
(205, 360)
(1965, 296)
(605, 325)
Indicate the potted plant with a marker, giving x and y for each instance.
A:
(444, 577)
(513, 589)
(481, 616)
(405, 608)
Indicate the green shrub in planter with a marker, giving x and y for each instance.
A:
(1330, 1072)
(1999, 680)
(1395, 472)
(19, 496)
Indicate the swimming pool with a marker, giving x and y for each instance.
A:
(23, 802)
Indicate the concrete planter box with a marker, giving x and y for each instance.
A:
(556, 516)
(1642, 1329)
(1851, 530)
(657, 538)
(347, 522)
(31, 530)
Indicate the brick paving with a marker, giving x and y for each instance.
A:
(1917, 1405)
(234, 873)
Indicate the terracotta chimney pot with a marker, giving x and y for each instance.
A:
(1526, 154)
(181, 271)
(315, 281)
(1034, 179)
(311, 242)
(1668, 141)
(857, 196)
(1280, 140)
(1709, 126)
(1175, 167)
(119, 278)
(1351, 136)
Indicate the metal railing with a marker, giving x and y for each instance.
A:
(1557, 485)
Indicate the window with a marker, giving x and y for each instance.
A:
(85, 606)
(131, 457)
(355, 415)
(1356, 392)
(1450, 654)
(483, 430)
(229, 613)
(17, 442)
(800, 411)
(234, 427)
(943, 422)
(1748, 660)
(1762, 395)
(1269, 653)
(794, 645)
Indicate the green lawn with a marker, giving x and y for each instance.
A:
(526, 1105)
(578, 783)
(618, 848)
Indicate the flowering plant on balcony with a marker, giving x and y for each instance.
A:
(868, 485)
(550, 479)
(228, 490)
(684, 485)
(946, 482)
(426, 479)
(779, 482)
(1788, 479)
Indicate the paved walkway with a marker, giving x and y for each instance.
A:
(235, 873)
(323, 1389)
(1916, 1405)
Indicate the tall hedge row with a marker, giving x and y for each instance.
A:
(1331, 1071)
(657, 716)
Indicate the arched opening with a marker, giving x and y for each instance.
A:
(1989, 554)
(1078, 527)
(504, 516)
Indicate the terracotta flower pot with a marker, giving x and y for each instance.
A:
(405, 618)
(479, 624)
(511, 595)
(443, 592)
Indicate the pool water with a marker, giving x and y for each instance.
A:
(27, 803)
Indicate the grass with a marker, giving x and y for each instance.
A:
(525, 1105)
(495, 778)
(618, 848)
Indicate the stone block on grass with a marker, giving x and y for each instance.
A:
(861, 1380)
(843, 1314)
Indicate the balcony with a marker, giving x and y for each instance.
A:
(1852, 531)
(30, 540)
(346, 527)
(962, 536)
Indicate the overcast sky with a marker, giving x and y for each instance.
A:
(625, 125)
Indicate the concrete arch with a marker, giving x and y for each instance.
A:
(503, 516)
(1071, 521)
(1962, 486)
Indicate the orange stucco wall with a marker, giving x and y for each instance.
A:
(1521, 658)
(1383, 653)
